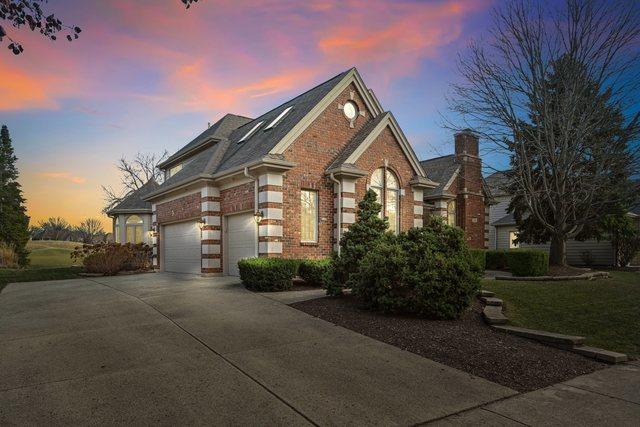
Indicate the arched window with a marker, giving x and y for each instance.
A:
(116, 230)
(134, 227)
(451, 213)
(385, 184)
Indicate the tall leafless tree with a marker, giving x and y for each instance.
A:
(134, 174)
(506, 96)
(89, 230)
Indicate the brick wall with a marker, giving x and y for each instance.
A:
(187, 207)
(313, 151)
(386, 147)
(238, 199)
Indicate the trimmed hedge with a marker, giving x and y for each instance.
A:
(268, 274)
(479, 258)
(528, 262)
(496, 259)
(314, 271)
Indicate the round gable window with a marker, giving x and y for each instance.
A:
(350, 110)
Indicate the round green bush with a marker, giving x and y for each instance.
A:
(314, 271)
(267, 274)
(528, 262)
(427, 271)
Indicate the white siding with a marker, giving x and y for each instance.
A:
(496, 212)
(601, 251)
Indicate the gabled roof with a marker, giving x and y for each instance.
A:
(497, 182)
(441, 170)
(508, 219)
(357, 139)
(263, 141)
(219, 130)
(134, 202)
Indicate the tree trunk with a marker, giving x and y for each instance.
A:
(558, 251)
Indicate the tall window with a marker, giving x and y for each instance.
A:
(309, 216)
(116, 230)
(451, 212)
(134, 227)
(385, 184)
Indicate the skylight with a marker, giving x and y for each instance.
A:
(251, 132)
(277, 119)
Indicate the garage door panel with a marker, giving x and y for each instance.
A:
(241, 240)
(182, 248)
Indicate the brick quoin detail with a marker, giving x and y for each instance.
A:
(184, 208)
(237, 199)
(313, 151)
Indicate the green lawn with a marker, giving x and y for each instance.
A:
(606, 311)
(10, 275)
(51, 253)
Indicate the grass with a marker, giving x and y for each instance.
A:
(10, 275)
(50, 260)
(51, 253)
(605, 311)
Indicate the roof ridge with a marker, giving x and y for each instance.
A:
(439, 157)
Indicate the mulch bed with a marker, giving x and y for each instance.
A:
(557, 270)
(467, 344)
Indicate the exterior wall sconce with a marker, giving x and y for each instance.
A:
(201, 223)
(258, 216)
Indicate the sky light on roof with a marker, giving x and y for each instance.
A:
(277, 119)
(251, 132)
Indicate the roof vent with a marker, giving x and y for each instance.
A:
(251, 132)
(277, 119)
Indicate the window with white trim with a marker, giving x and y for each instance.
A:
(134, 226)
(308, 216)
(451, 213)
(116, 230)
(174, 170)
(385, 184)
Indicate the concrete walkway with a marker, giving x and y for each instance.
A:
(172, 349)
(176, 349)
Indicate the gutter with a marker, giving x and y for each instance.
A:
(339, 220)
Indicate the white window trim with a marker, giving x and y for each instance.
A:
(315, 233)
(277, 119)
(251, 132)
(383, 193)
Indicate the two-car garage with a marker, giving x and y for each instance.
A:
(181, 246)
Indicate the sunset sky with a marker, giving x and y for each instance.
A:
(148, 75)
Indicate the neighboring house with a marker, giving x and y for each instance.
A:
(503, 230)
(285, 184)
(132, 217)
(461, 196)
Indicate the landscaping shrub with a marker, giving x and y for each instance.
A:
(496, 259)
(314, 271)
(427, 271)
(355, 243)
(111, 258)
(479, 257)
(528, 262)
(267, 274)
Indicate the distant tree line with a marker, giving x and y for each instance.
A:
(55, 228)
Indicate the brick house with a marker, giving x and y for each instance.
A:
(287, 183)
(461, 196)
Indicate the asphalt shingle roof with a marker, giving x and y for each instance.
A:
(497, 182)
(357, 139)
(440, 170)
(133, 201)
(508, 219)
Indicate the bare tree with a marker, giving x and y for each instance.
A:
(89, 230)
(55, 228)
(544, 89)
(133, 175)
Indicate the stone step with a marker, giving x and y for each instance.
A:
(492, 301)
(484, 293)
(558, 340)
(493, 315)
(601, 355)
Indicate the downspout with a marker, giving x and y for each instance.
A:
(339, 220)
(255, 202)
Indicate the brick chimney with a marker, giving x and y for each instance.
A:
(470, 197)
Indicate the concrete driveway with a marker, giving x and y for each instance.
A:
(178, 349)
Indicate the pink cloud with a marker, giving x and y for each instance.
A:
(66, 176)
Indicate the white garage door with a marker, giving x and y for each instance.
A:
(182, 251)
(241, 240)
